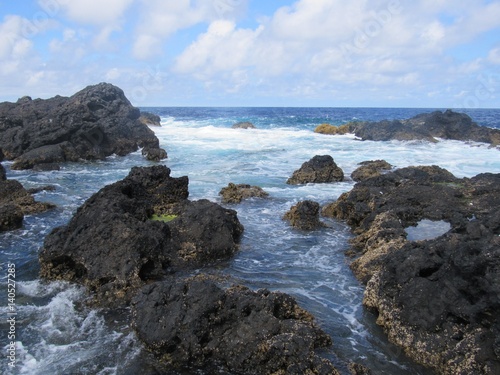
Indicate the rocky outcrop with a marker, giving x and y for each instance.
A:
(369, 169)
(113, 246)
(92, 124)
(304, 215)
(428, 127)
(150, 119)
(319, 169)
(197, 323)
(15, 202)
(332, 129)
(243, 125)
(154, 154)
(235, 193)
(436, 298)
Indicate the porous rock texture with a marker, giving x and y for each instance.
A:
(195, 322)
(235, 193)
(304, 215)
(320, 169)
(112, 246)
(94, 123)
(437, 298)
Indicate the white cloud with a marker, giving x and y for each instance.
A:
(494, 56)
(93, 12)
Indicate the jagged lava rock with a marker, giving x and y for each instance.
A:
(197, 323)
(436, 298)
(369, 169)
(92, 124)
(113, 247)
(15, 202)
(428, 127)
(235, 193)
(304, 215)
(150, 119)
(320, 169)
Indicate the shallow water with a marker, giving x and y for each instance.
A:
(56, 333)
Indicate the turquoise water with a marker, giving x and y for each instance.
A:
(57, 334)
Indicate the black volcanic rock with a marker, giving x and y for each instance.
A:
(369, 169)
(15, 202)
(235, 193)
(115, 244)
(428, 127)
(150, 119)
(197, 323)
(304, 215)
(92, 124)
(319, 169)
(438, 298)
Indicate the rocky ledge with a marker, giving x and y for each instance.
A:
(425, 126)
(195, 322)
(438, 297)
(15, 202)
(92, 124)
(137, 230)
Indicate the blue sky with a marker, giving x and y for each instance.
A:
(335, 53)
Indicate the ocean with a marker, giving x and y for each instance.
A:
(56, 333)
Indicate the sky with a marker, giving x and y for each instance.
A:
(306, 53)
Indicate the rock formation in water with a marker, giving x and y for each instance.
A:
(304, 215)
(427, 127)
(319, 169)
(235, 193)
(92, 124)
(15, 202)
(136, 230)
(195, 322)
(243, 125)
(437, 298)
(369, 169)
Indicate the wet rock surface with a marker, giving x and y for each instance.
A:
(428, 127)
(369, 169)
(195, 322)
(235, 193)
(304, 215)
(92, 124)
(436, 298)
(320, 169)
(112, 246)
(15, 202)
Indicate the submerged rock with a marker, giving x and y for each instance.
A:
(197, 323)
(304, 215)
(436, 298)
(319, 169)
(92, 124)
(112, 246)
(244, 125)
(369, 169)
(236, 193)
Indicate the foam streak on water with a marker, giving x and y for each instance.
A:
(57, 334)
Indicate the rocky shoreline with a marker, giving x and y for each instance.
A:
(94, 123)
(141, 243)
(437, 298)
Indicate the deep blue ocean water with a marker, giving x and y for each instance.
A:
(56, 334)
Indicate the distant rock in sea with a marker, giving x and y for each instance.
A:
(150, 119)
(427, 127)
(244, 125)
(235, 193)
(92, 124)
